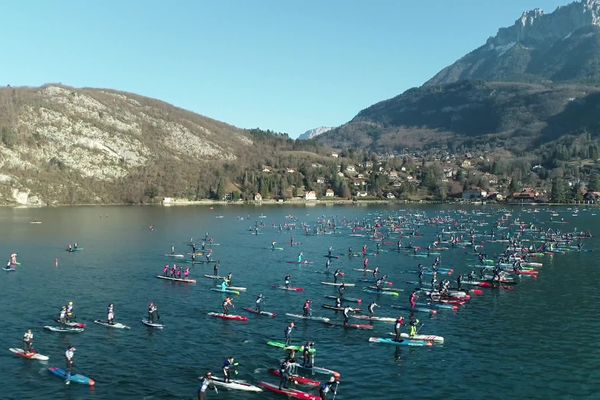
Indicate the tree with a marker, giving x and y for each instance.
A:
(558, 193)
(594, 183)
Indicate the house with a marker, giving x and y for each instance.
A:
(361, 194)
(258, 198)
(266, 169)
(466, 164)
(350, 168)
(474, 194)
(310, 195)
(589, 197)
(393, 174)
(390, 195)
(320, 180)
(340, 174)
(329, 193)
(525, 195)
(495, 196)
(334, 155)
(290, 170)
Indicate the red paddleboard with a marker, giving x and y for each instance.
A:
(290, 289)
(292, 393)
(297, 379)
(228, 317)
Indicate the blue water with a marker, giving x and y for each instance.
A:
(538, 341)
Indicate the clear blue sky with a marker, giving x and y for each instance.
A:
(286, 65)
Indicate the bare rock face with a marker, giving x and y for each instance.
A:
(90, 140)
(558, 47)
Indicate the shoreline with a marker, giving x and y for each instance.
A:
(295, 202)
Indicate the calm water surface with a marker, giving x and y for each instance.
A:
(538, 341)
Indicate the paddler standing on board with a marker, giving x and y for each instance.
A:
(346, 312)
(308, 354)
(398, 328)
(326, 387)
(216, 268)
(259, 299)
(413, 299)
(288, 333)
(284, 374)
(371, 308)
(228, 302)
(110, 314)
(228, 366)
(341, 289)
(413, 325)
(273, 243)
(300, 255)
(306, 308)
(62, 317)
(152, 312)
(205, 383)
(70, 361)
(337, 274)
(286, 281)
(28, 341)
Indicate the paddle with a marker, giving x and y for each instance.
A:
(336, 388)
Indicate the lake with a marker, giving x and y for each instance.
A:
(537, 341)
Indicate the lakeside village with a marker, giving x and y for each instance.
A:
(417, 176)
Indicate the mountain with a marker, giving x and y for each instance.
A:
(313, 133)
(559, 47)
(532, 83)
(64, 145)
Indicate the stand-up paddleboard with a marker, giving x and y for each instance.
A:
(213, 276)
(350, 299)
(265, 313)
(175, 255)
(321, 370)
(116, 325)
(338, 284)
(283, 346)
(225, 291)
(77, 378)
(63, 329)
(182, 280)
(415, 343)
(300, 262)
(352, 326)
(72, 324)
(308, 317)
(374, 318)
(297, 379)
(235, 385)
(152, 324)
(291, 393)
(228, 316)
(289, 289)
(425, 338)
(28, 355)
(238, 288)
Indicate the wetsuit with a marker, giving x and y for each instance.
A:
(204, 385)
(28, 341)
(284, 374)
(398, 329)
(287, 281)
(259, 301)
(324, 389)
(227, 367)
(70, 361)
(288, 334)
(346, 315)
